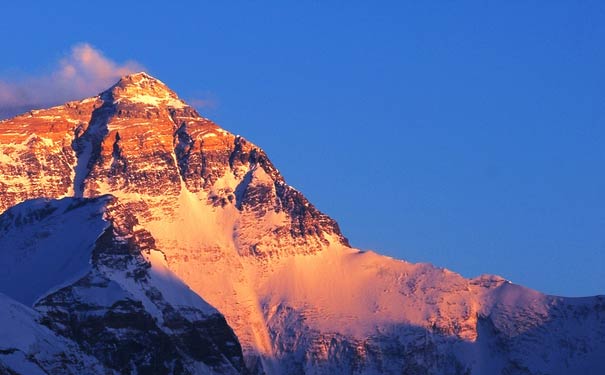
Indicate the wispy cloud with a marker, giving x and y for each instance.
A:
(84, 72)
(203, 103)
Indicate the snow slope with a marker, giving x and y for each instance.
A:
(345, 311)
(45, 247)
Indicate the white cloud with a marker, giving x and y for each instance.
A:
(84, 72)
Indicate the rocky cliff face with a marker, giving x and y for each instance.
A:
(299, 299)
(139, 138)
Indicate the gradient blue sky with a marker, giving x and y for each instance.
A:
(465, 134)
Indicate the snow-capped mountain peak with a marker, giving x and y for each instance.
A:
(141, 88)
(205, 216)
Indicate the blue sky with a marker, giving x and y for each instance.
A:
(465, 134)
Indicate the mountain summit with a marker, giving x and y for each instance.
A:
(141, 88)
(209, 209)
(140, 84)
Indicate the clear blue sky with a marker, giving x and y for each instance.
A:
(466, 134)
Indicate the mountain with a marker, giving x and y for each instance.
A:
(193, 215)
